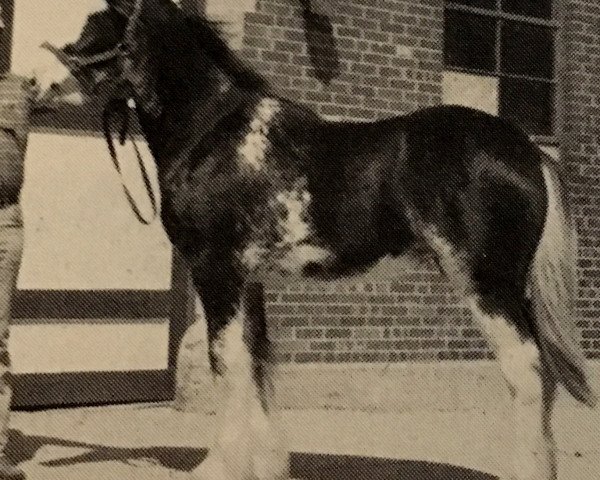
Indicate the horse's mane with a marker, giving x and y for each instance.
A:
(209, 34)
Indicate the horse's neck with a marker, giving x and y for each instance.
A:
(211, 84)
(180, 128)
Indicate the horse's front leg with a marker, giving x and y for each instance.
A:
(248, 445)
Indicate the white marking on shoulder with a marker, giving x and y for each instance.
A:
(253, 256)
(293, 226)
(252, 151)
(295, 229)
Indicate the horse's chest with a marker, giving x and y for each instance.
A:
(264, 219)
(281, 237)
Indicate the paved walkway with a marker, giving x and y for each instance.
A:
(155, 442)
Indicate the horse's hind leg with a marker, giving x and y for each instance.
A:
(498, 304)
(531, 386)
(247, 445)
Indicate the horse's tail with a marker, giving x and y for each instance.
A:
(553, 283)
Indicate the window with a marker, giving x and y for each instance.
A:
(512, 42)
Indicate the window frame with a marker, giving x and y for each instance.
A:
(554, 23)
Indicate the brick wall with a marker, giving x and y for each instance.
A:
(392, 63)
(417, 316)
(390, 52)
(581, 152)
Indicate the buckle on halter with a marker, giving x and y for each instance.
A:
(123, 49)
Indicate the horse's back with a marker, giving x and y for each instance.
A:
(476, 182)
(449, 136)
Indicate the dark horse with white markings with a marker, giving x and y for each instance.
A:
(252, 183)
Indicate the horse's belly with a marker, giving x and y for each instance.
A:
(285, 260)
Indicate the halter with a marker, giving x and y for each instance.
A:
(122, 50)
(121, 108)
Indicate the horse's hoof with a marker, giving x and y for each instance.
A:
(273, 466)
(268, 467)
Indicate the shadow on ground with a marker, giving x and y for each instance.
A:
(22, 448)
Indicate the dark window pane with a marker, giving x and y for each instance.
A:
(530, 8)
(487, 4)
(527, 50)
(529, 104)
(469, 41)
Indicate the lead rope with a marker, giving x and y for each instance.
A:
(121, 107)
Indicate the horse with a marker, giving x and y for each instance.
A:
(254, 184)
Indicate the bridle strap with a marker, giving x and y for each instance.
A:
(133, 21)
(77, 62)
(121, 50)
(120, 106)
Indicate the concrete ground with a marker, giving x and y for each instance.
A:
(156, 442)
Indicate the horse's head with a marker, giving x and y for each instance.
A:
(114, 50)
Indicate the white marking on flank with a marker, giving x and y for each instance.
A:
(450, 260)
(252, 151)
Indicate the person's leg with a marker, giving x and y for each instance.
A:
(11, 247)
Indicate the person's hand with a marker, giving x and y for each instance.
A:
(41, 100)
(45, 99)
